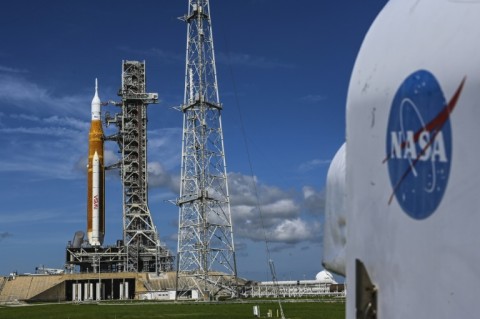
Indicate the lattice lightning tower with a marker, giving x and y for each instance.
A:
(206, 254)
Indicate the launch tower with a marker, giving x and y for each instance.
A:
(141, 240)
(206, 253)
(140, 250)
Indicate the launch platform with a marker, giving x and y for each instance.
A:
(85, 287)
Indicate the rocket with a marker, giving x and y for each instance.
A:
(95, 177)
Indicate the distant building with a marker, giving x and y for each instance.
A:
(323, 285)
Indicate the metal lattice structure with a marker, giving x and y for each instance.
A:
(143, 249)
(206, 254)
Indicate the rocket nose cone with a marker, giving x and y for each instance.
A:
(96, 99)
(96, 103)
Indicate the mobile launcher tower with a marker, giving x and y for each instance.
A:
(140, 250)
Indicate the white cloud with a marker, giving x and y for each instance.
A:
(164, 146)
(159, 177)
(282, 218)
(164, 154)
(45, 131)
(11, 70)
(23, 94)
(285, 207)
(44, 147)
(314, 201)
(68, 121)
(27, 117)
(312, 164)
(295, 230)
(243, 190)
(43, 134)
(110, 157)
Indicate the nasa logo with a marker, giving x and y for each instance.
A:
(419, 143)
(95, 202)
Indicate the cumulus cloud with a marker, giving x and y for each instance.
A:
(278, 216)
(164, 154)
(164, 146)
(158, 176)
(244, 189)
(296, 230)
(314, 201)
(110, 157)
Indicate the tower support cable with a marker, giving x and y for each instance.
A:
(270, 261)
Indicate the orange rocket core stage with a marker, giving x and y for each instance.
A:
(95, 144)
(95, 177)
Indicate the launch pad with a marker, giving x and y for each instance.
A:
(87, 287)
(140, 250)
(205, 260)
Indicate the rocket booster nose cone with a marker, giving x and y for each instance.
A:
(95, 157)
(96, 103)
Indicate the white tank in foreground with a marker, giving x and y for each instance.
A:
(334, 234)
(412, 158)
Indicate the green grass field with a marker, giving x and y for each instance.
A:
(293, 310)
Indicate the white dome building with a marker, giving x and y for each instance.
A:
(322, 285)
(325, 277)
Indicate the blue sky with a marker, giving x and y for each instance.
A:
(283, 67)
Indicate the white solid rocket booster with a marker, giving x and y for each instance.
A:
(95, 200)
